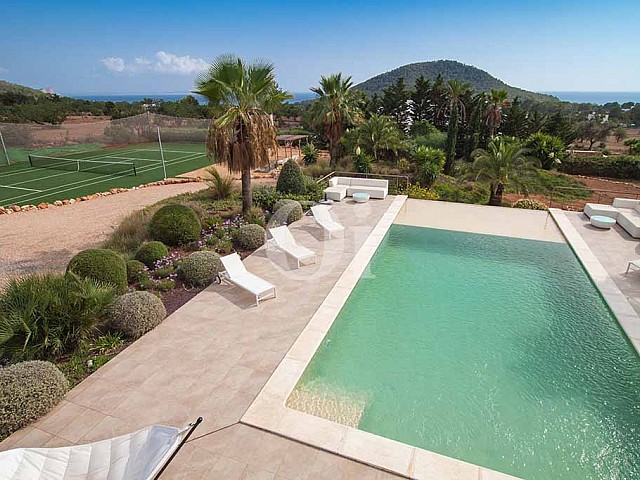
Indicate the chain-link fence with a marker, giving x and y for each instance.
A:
(78, 134)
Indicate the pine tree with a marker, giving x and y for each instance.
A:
(420, 98)
(395, 103)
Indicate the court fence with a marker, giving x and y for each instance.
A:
(18, 140)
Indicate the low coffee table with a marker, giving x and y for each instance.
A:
(360, 197)
(600, 221)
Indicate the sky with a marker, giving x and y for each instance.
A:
(94, 47)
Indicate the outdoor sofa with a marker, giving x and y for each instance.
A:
(341, 187)
(625, 211)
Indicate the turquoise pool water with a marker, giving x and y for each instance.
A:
(493, 350)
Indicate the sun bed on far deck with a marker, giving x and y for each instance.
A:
(282, 239)
(322, 216)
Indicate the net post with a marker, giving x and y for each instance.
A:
(164, 168)
(4, 147)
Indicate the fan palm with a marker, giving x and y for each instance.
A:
(455, 91)
(378, 133)
(497, 100)
(334, 109)
(241, 97)
(504, 162)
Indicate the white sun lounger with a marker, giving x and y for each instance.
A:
(238, 275)
(283, 240)
(323, 217)
(139, 455)
(633, 264)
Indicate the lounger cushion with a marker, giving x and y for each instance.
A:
(591, 209)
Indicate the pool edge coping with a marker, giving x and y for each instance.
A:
(617, 301)
(269, 412)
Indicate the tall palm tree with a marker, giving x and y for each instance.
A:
(242, 95)
(504, 162)
(497, 100)
(455, 91)
(334, 109)
(378, 133)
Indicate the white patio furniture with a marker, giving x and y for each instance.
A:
(283, 240)
(341, 187)
(139, 455)
(591, 209)
(360, 197)
(603, 222)
(236, 273)
(626, 212)
(635, 264)
(322, 216)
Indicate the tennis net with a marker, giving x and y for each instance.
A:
(80, 165)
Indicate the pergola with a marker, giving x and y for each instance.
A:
(289, 140)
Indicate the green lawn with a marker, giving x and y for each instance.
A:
(22, 184)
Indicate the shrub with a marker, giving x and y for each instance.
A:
(620, 166)
(102, 265)
(291, 179)
(250, 237)
(220, 187)
(129, 234)
(175, 225)
(363, 163)
(547, 149)
(430, 162)
(529, 204)
(135, 270)
(255, 215)
(286, 212)
(28, 390)
(313, 190)
(310, 154)
(151, 252)
(465, 193)
(200, 268)
(134, 314)
(46, 315)
(416, 191)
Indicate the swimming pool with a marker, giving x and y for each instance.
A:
(494, 350)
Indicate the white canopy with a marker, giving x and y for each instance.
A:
(136, 456)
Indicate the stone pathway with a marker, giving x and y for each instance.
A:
(211, 358)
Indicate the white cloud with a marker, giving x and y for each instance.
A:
(115, 64)
(163, 62)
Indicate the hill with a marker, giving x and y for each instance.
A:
(449, 69)
(7, 87)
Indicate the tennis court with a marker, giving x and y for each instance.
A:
(46, 178)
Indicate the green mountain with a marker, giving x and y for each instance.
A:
(7, 87)
(449, 69)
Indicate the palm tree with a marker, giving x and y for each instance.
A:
(504, 162)
(455, 91)
(497, 100)
(242, 97)
(334, 109)
(378, 133)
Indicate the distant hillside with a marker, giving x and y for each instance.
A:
(7, 87)
(449, 69)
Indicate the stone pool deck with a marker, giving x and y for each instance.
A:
(211, 358)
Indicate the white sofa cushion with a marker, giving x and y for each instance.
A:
(335, 181)
(374, 192)
(625, 202)
(630, 220)
(591, 209)
(369, 182)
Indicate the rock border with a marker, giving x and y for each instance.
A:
(112, 191)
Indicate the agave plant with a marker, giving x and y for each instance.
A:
(310, 154)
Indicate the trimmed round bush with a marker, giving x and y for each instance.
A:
(28, 390)
(291, 179)
(175, 225)
(101, 265)
(529, 204)
(134, 314)
(200, 268)
(250, 237)
(135, 269)
(151, 252)
(287, 211)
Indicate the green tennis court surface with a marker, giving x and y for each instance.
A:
(49, 177)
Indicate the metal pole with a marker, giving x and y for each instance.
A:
(164, 167)
(5, 149)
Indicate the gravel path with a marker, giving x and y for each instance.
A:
(42, 240)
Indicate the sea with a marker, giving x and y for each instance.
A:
(599, 98)
(134, 97)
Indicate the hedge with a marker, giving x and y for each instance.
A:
(134, 314)
(200, 268)
(618, 166)
(175, 225)
(286, 212)
(151, 252)
(101, 265)
(250, 237)
(291, 179)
